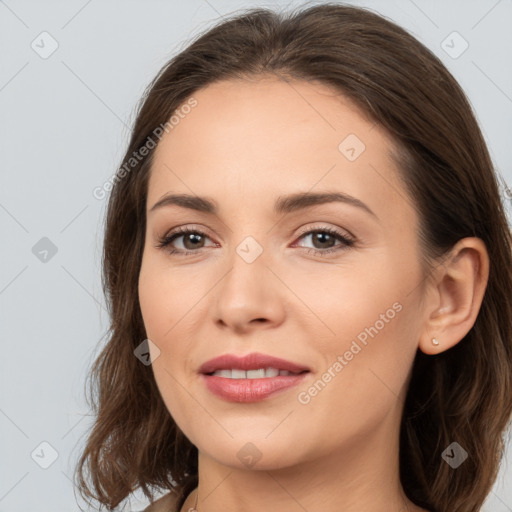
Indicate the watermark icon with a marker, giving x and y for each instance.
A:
(304, 397)
(454, 455)
(44, 455)
(351, 147)
(45, 45)
(147, 352)
(454, 45)
(249, 249)
(137, 156)
(249, 455)
(506, 191)
(506, 198)
(44, 250)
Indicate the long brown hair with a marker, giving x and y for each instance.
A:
(463, 394)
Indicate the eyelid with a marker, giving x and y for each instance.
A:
(184, 228)
(323, 227)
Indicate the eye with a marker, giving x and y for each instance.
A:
(325, 238)
(193, 240)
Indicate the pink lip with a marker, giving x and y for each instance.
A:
(250, 390)
(251, 361)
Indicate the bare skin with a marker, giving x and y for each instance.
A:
(245, 144)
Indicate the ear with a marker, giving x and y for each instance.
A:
(454, 295)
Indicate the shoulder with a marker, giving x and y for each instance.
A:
(166, 503)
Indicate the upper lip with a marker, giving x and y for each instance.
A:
(251, 361)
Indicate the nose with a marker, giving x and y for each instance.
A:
(250, 296)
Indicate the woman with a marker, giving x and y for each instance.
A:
(308, 269)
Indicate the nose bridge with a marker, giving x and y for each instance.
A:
(248, 266)
(248, 291)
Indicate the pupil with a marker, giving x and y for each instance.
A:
(190, 238)
(319, 236)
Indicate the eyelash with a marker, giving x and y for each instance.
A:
(166, 240)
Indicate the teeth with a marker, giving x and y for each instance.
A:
(260, 373)
(271, 372)
(256, 374)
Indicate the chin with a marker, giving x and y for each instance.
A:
(254, 451)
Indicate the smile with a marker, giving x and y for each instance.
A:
(260, 373)
(250, 378)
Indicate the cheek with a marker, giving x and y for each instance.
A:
(165, 297)
(365, 389)
(344, 301)
(367, 353)
(160, 312)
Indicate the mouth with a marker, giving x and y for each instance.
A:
(259, 373)
(250, 378)
(250, 363)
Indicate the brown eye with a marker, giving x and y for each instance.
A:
(191, 241)
(324, 240)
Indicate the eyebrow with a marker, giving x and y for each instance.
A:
(284, 204)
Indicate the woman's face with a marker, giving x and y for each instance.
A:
(283, 282)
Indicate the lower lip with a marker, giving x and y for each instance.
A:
(250, 390)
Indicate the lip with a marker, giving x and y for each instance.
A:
(250, 390)
(251, 361)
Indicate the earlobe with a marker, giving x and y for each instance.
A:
(457, 293)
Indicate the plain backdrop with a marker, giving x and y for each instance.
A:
(65, 120)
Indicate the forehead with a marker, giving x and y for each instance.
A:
(241, 115)
(262, 138)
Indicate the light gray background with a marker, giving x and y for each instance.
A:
(64, 126)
